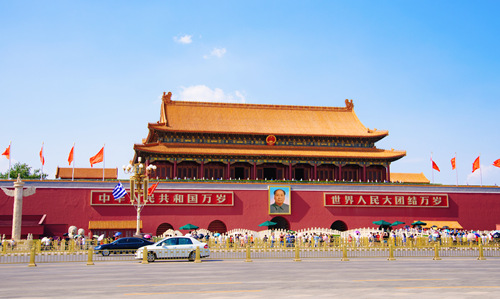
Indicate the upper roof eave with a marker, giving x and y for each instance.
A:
(378, 134)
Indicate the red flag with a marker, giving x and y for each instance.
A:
(475, 165)
(453, 165)
(98, 158)
(152, 189)
(497, 163)
(434, 165)
(42, 159)
(70, 157)
(7, 152)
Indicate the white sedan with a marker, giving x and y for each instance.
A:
(174, 248)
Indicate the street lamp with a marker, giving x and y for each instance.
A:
(139, 182)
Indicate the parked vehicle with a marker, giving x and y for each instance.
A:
(174, 248)
(121, 246)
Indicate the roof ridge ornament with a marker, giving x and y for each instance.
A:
(167, 97)
(349, 105)
(165, 100)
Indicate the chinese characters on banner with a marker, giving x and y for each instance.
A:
(373, 200)
(167, 198)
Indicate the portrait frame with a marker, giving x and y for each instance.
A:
(274, 209)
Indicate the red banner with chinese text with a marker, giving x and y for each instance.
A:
(375, 200)
(167, 198)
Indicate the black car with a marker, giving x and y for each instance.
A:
(122, 245)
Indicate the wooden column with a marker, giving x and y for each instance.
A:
(228, 170)
(388, 172)
(315, 175)
(340, 172)
(175, 169)
(202, 170)
(254, 171)
(290, 171)
(364, 173)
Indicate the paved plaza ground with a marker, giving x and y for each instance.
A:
(310, 278)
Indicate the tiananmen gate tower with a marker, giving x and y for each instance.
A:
(264, 142)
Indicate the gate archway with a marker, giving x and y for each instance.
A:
(163, 228)
(217, 226)
(281, 223)
(339, 225)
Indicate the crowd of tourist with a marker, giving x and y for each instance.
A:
(363, 237)
(403, 237)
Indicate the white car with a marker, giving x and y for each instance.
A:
(174, 248)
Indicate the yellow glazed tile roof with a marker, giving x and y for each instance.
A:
(440, 224)
(114, 224)
(269, 151)
(86, 173)
(409, 178)
(206, 117)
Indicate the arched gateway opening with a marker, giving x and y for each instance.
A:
(281, 223)
(163, 228)
(339, 225)
(217, 226)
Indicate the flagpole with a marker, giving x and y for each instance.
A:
(456, 170)
(480, 170)
(103, 161)
(432, 169)
(41, 161)
(73, 161)
(10, 150)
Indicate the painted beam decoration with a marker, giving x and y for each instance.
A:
(167, 198)
(389, 200)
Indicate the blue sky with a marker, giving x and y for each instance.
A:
(92, 72)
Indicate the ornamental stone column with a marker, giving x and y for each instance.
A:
(18, 193)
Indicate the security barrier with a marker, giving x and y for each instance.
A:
(90, 257)
(32, 252)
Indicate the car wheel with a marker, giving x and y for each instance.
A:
(151, 257)
(192, 256)
(105, 252)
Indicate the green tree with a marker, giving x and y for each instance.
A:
(24, 170)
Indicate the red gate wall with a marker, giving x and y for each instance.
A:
(476, 208)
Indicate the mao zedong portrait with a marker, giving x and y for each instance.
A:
(279, 206)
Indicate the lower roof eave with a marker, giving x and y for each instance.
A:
(277, 157)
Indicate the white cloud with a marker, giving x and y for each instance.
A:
(203, 93)
(185, 39)
(490, 175)
(216, 52)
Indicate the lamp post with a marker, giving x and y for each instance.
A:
(139, 182)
